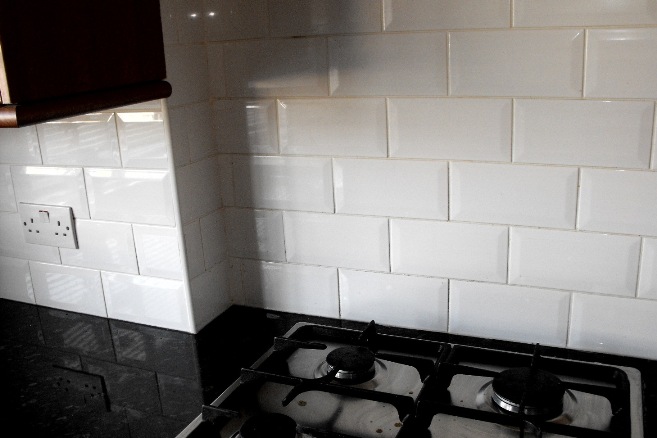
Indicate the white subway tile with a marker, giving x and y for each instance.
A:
(158, 251)
(289, 67)
(286, 183)
(130, 195)
(86, 140)
(445, 249)
(235, 19)
(310, 290)
(512, 313)
(210, 295)
(217, 69)
(145, 300)
(7, 197)
(15, 280)
(618, 201)
(512, 194)
(614, 325)
(190, 21)
(213, 233)
(451, 129)
(194, 249)
(235, 281)
(445, 14)
(256, 234)
(316, 17)
(192, 136)
(648, 270)
(20, 146)
(66, 288)
(102, 245)
(571, 260)
(621, 63)
(187, 72)
(578, 132)
(516, 63)
(142, 140)
(393, 64)
(148, 105)
(347, 127)
(391, 188)
(333, 240)
(12, 242)
(246, 126)
(168, 18)
(198, 188)
(398, 300)
(533, 13)
(179, 119)
(226, 189)
(51, 186)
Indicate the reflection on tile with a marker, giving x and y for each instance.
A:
(51, 186)
(12, 242)
(86, 140)
(7, 198)
(15, 280)
(142, 140)
(246, 126)
(369, 295)
(445, 14)
(198, 188)
(648, 271)
(180, 397)
(190, 21)
(19, 322)
(67, 288)
(20, 146)
(256, 234)
(235, 19)
(533, 13)
(158, 251)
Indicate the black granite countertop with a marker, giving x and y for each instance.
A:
(73, 375)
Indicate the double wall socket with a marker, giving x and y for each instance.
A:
(50, 225)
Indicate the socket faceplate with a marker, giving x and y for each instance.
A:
(50, 225)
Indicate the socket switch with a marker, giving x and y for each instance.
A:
(50, 225)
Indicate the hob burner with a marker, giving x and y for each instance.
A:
(532, 392)
(351, 364)
(269, 425)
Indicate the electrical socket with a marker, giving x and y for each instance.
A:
(50, 225)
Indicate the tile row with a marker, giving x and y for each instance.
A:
(528, 314)
(531, 63)
(615, 201)
(544, 131)
(566, 260)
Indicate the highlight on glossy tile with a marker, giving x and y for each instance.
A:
(16, 280)
(246, 126)
(12, 242)
(158, 251)
(142, 139)
(648, 271)
(20, 146)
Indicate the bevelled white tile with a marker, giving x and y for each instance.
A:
(450, 129)
(192, 135)
(618, 201)
(445, 14)
(316, 17)
(7, 197)
(86, 140)
(246, 126)
(391, 188)
(334, 240)
(130, 195)
(62, 287)
(256, 234)
(279, 67)
(534, 13)
(20, 146)
(516, 63)
(51, 186)
(158, 251)
(445, 249)
(528, 314)
(573, 260)
(579, 132)
(198, 188)
(15, 280)
(187, 72)
(190, 21)
(213, 233)
(512, 194)
(210, 295)
(148, 105)
(351, 127)
(235, 19)
(621, 63)
(392, 64)
(146, 300)
(102, 245)
(613, 325)
(12, 242)
(286, 183)
(142, 140)
(648, 270)
(365, 296)
(194, 249)
(285, 287)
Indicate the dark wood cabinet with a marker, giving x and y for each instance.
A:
(64, 57)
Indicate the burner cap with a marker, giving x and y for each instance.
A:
(352, 363)
(269, 425)
(542, 392)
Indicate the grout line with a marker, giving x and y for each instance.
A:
(653, 147)
(578, 197)
(569, 319)
(508, 255)
(284, 236)
(335, 207)
(449, 302)
(512, 8)
(513, 124)
(447, 63)
(389, 245)
(449, 190)
(388, 128)
(585, 60)
(638, 269)
(383, 16)
(337, 270)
